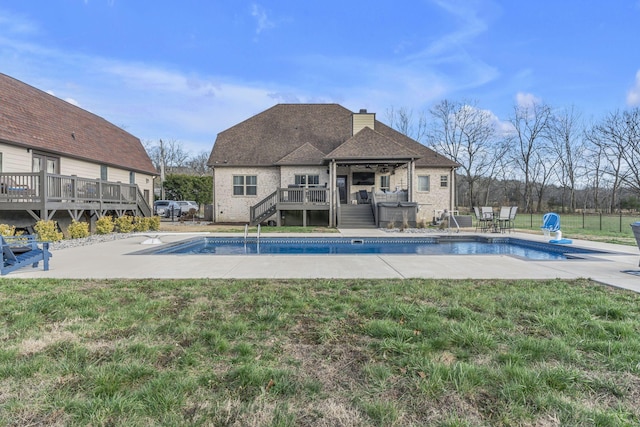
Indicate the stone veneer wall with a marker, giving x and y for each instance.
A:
(230, 208)
(437, 198)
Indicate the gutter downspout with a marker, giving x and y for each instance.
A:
(213, 193)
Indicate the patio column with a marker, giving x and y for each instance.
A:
(410, 173)
(452, 190)
(332, 193)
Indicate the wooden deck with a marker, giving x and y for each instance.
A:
(42, 195)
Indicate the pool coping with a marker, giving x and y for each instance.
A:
(108, 260)
(572, 252)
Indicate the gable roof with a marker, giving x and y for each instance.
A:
(306, 154)
(370, 145)
(34, 119)
(272, 136)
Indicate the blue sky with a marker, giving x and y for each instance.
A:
(188, 70)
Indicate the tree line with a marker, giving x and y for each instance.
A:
(539, 158)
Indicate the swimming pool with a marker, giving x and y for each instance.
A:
(436, 245)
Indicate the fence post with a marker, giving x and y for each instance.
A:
(620, 228)
(600, 221)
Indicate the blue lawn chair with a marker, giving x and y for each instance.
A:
(22, 251)
(550, 223)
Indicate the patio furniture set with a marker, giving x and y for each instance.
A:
(488, 220)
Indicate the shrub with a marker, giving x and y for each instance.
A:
(124, 224)
(140, 223)
(104, 225)
(78, 230)
(7, 230)
(154, 223)
(48, 231)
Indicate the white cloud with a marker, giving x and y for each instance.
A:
(527, 100)
(633, 96)
(262, 20)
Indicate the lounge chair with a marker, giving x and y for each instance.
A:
(20, 251)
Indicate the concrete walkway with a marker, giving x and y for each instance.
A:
(112, 260)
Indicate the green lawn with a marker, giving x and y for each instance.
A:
(318, 353)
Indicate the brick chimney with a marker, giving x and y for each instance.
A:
(362, 119)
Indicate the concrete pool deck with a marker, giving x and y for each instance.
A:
(111, 260)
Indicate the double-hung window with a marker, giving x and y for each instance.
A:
(444, 181)
(307, 180)
(423, 183)
(245, 185)
(385, 182)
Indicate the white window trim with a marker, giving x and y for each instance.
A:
(418, 184)
(244, 186)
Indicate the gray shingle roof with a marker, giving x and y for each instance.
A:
(369, 144)
(272, 136)
(32, 118)
(306, 154)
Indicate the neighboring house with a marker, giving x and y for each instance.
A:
(58, 161)
(317, 164)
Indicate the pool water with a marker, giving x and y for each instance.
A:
(440, 245)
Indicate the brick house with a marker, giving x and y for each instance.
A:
(321, 164)
(58, 161)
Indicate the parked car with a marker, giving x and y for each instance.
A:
(187, 206)
(159, 207)
(172, 209)
(180, 208)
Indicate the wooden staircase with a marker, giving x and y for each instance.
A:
(356, 216)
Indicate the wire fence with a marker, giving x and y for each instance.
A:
(593, 222)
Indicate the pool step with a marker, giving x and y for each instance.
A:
(356, 216)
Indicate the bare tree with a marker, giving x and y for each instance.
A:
(531, 132)
(198, 163)
(166, 154)
(402, 120)
(568, 147)
(467, 134)
(631, 132)
(611, 138)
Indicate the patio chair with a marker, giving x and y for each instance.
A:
(363, 197)
(482, 221)
(20, 251)
(503, 218)
(11, 188)
(512, 217)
